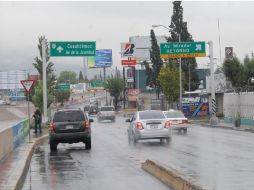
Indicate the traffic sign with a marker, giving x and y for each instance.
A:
(63, 86)
(97, 83)
(72, 49)
(229, 52)
(27, 84)
(182, 50)
(129, 62)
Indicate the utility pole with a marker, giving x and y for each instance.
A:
(44, 80)
(213, 120)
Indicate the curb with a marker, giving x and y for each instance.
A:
(21, 179)
(170, 177)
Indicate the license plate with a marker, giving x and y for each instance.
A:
(69, 127)
(174, 122)
(154, 126)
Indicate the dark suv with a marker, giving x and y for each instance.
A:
(70, 126)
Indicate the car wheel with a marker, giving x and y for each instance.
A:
(135, 140)
(168, 140)
(88, 143)
(185, 130)
(53, 146)
(161, 140)
(113, 120)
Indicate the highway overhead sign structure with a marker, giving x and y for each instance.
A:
(182, 49)
(78, 49)
(27, 84)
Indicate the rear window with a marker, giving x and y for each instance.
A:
(174, 114)
(107, 109)
(63, 116)
(151, 115)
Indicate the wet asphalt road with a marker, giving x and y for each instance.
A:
(217, 159)
(110, 164)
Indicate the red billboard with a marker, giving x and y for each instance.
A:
(129, 62)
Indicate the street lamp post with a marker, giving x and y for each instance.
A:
(180, 64)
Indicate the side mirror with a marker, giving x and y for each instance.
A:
(90, 120)
(128, 120)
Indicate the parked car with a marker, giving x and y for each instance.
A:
(149, 124)
(93, 110)
(69, 126)
(106, 113)
(178, 120)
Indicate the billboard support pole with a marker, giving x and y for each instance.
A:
(104, 77)
(124, 89)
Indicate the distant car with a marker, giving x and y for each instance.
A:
(69, 126)
(106, 113)
(86, 108)
(178, 120)
(149, 124)
(93, 110)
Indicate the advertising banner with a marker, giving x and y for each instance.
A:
(129, 62)
(103, 58)
(91, 62)
(193, 106)
(133, 94)
(127, 49)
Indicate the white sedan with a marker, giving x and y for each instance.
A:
(177, 120)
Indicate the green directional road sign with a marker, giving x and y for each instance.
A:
(182, 50)
(97, 83)
(63, 86)
(72, 49)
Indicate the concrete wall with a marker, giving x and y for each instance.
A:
(12, 137)
(244, 102)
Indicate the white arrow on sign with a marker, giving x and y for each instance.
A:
(60, 49)
(198, 47)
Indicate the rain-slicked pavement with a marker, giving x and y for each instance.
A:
(216, 158)
(108, 165)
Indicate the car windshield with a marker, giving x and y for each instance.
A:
(63, 116)
(107, 109)
(174, 114)
(151, 115)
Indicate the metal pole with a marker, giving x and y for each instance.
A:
(44, 62)
(189, 80)
(180, 76)
(104, 78)
(124, 90)
(29, 118)
(214, 119)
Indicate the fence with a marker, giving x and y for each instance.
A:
(242, 103)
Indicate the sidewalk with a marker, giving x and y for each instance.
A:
(224, 125)
(14, 167)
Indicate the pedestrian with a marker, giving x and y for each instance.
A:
(37, 120)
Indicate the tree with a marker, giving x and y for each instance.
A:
(80, 78)
(37, 99)
(169, 81)
(51, 77)
(180, 27)
(115, 86)
(234, 72)
(248, 68)
(156, 63)
(62, 96)
(68, 77)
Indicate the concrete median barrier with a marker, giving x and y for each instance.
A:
(170, 177)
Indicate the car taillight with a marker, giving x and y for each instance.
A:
(184, 121)
(87, 124)
(139, 125)
(52, 126)
(167, 124)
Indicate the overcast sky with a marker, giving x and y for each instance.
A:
(110, 23)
